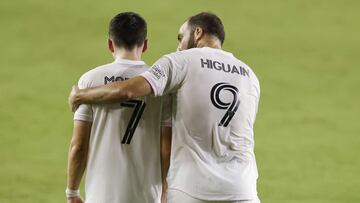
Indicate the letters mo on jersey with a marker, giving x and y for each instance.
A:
(113, 79)
(216, 65)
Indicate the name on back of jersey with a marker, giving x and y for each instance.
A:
(227, 68)
(109, 79)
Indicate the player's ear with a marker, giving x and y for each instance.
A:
(198, 34)
(145, 45)
(111, 45)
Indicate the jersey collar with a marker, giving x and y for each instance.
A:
(131, 62)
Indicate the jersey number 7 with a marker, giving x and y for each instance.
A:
(139, 107)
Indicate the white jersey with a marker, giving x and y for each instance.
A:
(123, 162)
(215, 101)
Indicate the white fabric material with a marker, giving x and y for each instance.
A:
(119, 172)
(214, 105)
(177, 196)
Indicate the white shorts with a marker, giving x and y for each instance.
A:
(177, 196)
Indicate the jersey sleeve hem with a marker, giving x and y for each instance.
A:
(151, 81)
(82, 117)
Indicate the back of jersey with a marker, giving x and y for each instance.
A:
(214, 107)
(123, 162)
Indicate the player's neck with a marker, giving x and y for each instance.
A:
(209, 42)
(134, 55)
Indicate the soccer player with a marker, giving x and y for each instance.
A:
(214, 105)
(117, 143)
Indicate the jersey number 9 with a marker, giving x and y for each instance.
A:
(231, 107)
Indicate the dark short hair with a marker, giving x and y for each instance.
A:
(210, 23)
(127, 30)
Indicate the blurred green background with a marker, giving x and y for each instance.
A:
(305, 53)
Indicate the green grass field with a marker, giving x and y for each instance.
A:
(305, 53)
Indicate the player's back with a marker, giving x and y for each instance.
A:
(123, 162)
(215, 108)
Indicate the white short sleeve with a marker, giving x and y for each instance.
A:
(167, 74)
(84, 112)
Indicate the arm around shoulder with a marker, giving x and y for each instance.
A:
(110, 93)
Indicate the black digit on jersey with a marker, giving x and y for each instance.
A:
(231, 107)
(139, 107)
